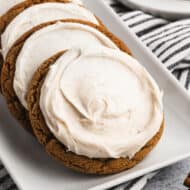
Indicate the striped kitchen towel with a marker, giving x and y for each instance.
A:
(169, 41)
(6, 183)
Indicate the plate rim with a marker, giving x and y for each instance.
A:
(156, 10)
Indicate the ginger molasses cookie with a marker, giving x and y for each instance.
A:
(97, 110)
(11, 8)
(38, 45)
(42, 13)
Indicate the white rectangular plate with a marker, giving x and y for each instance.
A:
(32, 168)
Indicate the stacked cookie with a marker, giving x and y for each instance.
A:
(73, 84)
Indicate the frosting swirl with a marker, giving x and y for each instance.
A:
(39, 14)
(101, 103)
(57, 37)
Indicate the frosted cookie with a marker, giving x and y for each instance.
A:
(9, 9)
(39, 44)
(97, 110)
(15, 7)
(41, 13)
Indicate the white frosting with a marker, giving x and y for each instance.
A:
(48, 41)
(42, 13)
(101, 103)
(5, 5)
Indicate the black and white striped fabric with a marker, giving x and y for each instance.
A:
(6, 183)
(169, 41)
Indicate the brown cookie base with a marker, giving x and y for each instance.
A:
(8, 69)
(59, 151)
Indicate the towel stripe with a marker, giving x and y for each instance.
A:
(12, 187)
(1, 167)
(6, 183)
(167, 36)
(4, 178)
(149, 29)
(141, 22)
(164, 44)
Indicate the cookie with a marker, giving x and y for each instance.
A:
(17, 9)
(46, 12)
(9, 67)
(8, 16)
(59, 152)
